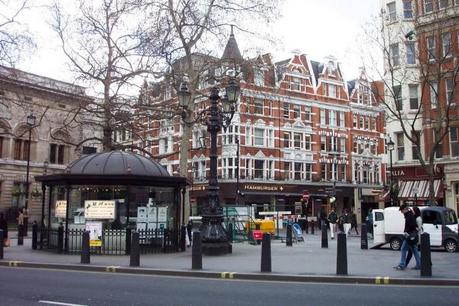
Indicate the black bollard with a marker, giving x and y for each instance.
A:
(363, 237)
(266, 253)
(289, 240)
(135, 250)
(1, 244)
(324, 236)
(183, 238)
(25, 229)
(306, 226)
(85, 256)
(196, 252)
(312, 227)
(341, 255)
(34, 235)
(230, 232)
(60, 239)
(128, 241)
(20, 234)
(426, 262)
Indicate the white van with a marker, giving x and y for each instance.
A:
(439, 222)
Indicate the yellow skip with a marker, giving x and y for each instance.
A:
(13, 263)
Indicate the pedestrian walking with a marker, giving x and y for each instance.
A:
(354, 223)
(189, 228)
(20, 220)
(347, 218)
(417, 214)
(332, 219)
(410, 239)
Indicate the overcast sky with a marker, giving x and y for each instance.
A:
(314, 27)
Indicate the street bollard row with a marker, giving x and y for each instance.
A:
(266, 265)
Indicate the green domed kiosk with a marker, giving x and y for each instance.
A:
(110, 194)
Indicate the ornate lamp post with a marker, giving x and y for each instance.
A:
(390, 146)
(31, 120)
(217, 115)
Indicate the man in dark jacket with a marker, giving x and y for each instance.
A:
(410, 231)
(332, 218)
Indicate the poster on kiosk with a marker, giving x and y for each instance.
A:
(97, 211)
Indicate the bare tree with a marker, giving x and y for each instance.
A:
(435, 70)
(108, 48)
(193, 29)
(13, 38)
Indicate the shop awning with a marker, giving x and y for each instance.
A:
(418, 189)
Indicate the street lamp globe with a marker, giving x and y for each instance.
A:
(184, 94)
(31, 120)
(390, 145)
(233, 90)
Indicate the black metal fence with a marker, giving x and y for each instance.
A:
(112, 242)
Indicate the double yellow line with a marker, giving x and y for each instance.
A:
(229, 275)
(382, 280)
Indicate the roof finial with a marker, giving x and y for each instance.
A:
(232, 29)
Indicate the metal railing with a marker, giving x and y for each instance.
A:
(112, 242)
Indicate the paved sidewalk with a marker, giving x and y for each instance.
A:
(303, 259)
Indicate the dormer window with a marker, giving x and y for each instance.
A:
(332, 91)
(167, 92)
(295, 83)
(259, 77)
(331, 69)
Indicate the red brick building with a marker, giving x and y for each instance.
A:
(299, 128)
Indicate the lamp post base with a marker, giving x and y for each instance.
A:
(214, 237)
(216, 248)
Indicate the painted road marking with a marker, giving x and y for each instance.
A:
(229, 274)
(111, 268)
(59, 303)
